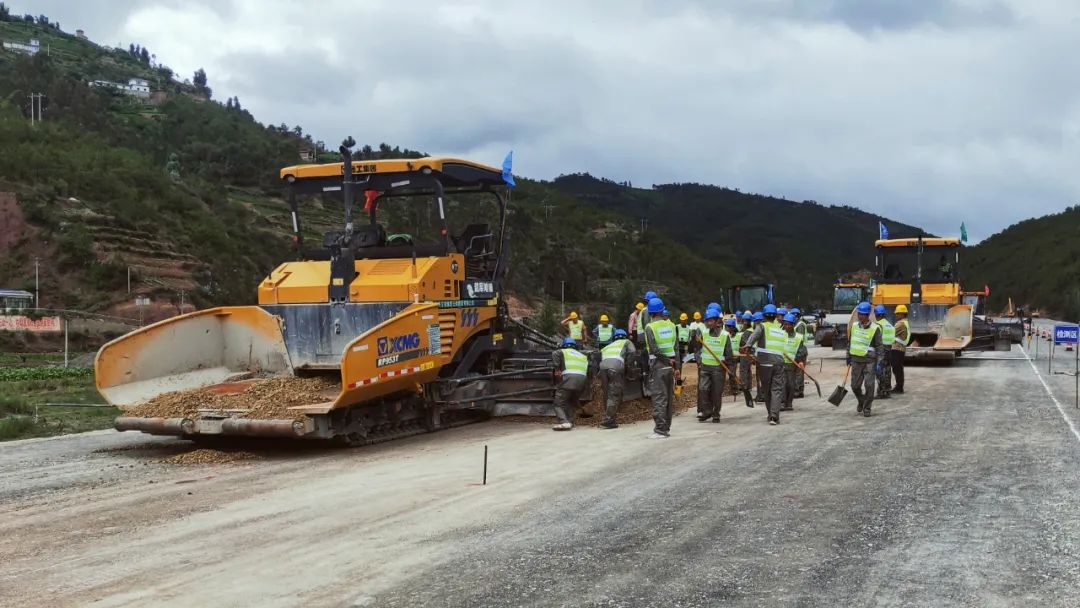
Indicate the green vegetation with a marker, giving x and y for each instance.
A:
(23, 412)
(1035, 262)
(18, 374)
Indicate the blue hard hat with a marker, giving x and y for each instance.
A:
(620, 333)
(712, 313)
(649, 295)
(747, 316)
(879, 309)
(795, 311)
(789, 318)
(729, 322)
(568, 341)
(770, 309)
(666, 313)
(656, 306)
(758, 316)
(863, 308)
(781, 311)
(714, 305)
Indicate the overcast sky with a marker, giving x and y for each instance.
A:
(931, 112)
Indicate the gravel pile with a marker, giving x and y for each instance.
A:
(262, 399)
(208, 456)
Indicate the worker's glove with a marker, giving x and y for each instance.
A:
(849, 361)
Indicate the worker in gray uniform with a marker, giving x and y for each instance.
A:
(800, 328)
(572, 372)
(745, 364)
(865, 357)
(664, 367)
(770, 341)
(794, 355)
(711, 348)
(613, 360)
(759, 392)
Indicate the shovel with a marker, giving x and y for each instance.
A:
(745, 391)
(840, 392)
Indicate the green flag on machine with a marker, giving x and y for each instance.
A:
(963, 233)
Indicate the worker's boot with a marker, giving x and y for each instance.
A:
(866, 412)
(858, 410)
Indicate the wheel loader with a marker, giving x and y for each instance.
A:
(413, 333)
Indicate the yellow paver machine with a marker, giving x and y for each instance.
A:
(923, 273)
(412, 332)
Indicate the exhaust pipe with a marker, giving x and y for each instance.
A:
(241, 427)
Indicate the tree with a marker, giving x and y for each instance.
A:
(131, 49)
(145, 56)
(200, 78)
(236, 102)
(228, 104)
(5, 12)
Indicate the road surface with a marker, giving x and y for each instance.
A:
(964, 492)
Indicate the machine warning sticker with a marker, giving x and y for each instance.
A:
(434, 341)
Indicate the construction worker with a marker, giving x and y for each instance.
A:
(643, 318)
(745, 375)
(575, 328)
(770, 341)
(664, 368)
(572, 371)
(631, 322)
(901, 339)
(800, 328)
(684, 332)
(712, 348)
(888, 334)
(865, 354)
(794, 355)
(759, 392)
(614, 358)
(697, 329)
(605, 332)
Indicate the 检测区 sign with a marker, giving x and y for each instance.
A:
(1066, 334)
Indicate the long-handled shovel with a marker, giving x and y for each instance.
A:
(745, 391)
(840, 392)
(802, 366)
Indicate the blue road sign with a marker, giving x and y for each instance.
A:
(1066, 334)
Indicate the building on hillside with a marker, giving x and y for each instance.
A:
(80, 34)
(15, 301)
(27, 49)
(136, 87)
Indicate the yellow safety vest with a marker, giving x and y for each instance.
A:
(575, 363)
(604, 332)
(576, 329)
(776, 339)
(716, 343)
(859, 342)
(793, 344)
(614, 350)
(664, 333)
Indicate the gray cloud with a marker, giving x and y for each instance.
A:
(931, 112)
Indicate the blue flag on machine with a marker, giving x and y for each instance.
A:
(963, 233)
(883, 232)
(508, 164)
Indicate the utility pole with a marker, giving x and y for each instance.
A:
(35, 111)
(129, 279)
(562, 298)
(37, 301)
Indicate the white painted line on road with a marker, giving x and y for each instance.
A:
(1072, 427)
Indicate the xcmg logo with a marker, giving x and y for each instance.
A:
(398, 344)
(469, 317)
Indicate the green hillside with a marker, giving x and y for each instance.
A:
(801, 247)
(1035, 262)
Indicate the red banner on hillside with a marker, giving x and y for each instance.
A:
(22, 323)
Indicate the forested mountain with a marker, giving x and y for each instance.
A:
(801, 247)
(1035, 262)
